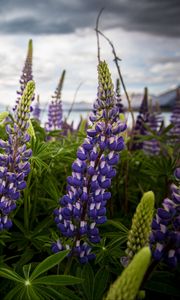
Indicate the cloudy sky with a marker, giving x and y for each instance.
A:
(146, 35)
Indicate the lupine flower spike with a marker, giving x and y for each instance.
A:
(126, 287)
(154, 122)
(14, 165)
(26, 73)
(142, 118)
(139, 233)
(37, 110)
(175, 119)
(118, 97)
(83, 208)
(55, 113)
(165, 237)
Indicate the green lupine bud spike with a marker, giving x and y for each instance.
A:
(59, 87)
(139, 233)
(127, 285)
(106, 88)
(30, 49)
(23, 109)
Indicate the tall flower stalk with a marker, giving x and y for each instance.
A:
(142, 118)
(26, 73)
(83, 208)
(175, 120)
(14, 165)
(154, 122)
(37, 110)
(118, 97)
(55, 112)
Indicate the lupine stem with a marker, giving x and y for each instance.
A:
(27, 203)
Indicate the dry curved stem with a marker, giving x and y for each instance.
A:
(116, 59)
(74, 98)
(97, 34)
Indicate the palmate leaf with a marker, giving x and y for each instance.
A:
(14, 293)
(88, 276)
(26, 271)
(10, 274)
(63, 293)
(100, 283)
(94, 285)
(57, 280)
(48, 263)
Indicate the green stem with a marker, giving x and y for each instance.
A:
(27, 203)
(68, 266)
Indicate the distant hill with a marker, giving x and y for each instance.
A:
(166, 100)
(77, 106)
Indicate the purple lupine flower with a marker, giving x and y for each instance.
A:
(175, 120)
(118, 97)
(37, 110)
(83, 208)
(55, 112)
(142, 118)
(165, 237)
(14, 165)
(154, 123)
(26, 74)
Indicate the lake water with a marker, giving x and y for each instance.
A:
(76, 115)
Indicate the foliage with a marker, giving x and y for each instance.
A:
(28, 270)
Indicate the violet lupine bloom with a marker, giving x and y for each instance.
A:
(83, 208)
(165, 237)
(26, 73)
(142, 118)
(14, 165)
(118, 97)
(55, 112)
(37, 110)
(175, 119)
(154, 123)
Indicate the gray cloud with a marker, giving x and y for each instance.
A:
(157, 17)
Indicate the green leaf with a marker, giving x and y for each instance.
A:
(51, 293)
(33, 294)
(88, 276)
(26, 271)
(44, 224)
(118, 225)
(100, 283)
(48, 263)
(58, 280)
(13, 293)
(3, 115)
(31, 131)
(19, 225)
(10, 274)
(66, 293)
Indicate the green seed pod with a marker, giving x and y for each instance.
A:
(138, 236)
(127, 285)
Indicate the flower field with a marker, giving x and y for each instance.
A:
(91, 212)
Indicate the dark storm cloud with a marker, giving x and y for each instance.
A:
(158, 17)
